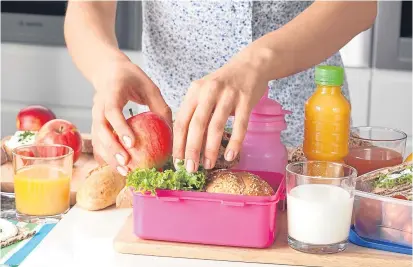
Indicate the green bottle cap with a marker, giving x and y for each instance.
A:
(329, 75)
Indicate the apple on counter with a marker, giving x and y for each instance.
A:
(32, 118)
(63, 132)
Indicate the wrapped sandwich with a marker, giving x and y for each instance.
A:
(394, 181)
(387, 214)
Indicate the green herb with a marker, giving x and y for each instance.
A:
(149, 180)
(390, 180)
(25, 135)
(228, 129)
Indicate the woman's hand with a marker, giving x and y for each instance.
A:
(233, 89)
(116, 83)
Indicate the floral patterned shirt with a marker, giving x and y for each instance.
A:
(186, 40)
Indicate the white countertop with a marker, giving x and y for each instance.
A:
(84, 238)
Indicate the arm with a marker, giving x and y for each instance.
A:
(314, 35)
(310, 38)
(90, 35)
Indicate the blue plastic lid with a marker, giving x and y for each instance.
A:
(376, 244)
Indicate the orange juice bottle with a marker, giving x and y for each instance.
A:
(327, 117)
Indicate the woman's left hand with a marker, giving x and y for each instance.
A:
(234, 89)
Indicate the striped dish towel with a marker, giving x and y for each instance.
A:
(14, 254)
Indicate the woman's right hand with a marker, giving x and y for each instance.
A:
(116, 83)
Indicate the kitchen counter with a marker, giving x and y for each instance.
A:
(84, 238)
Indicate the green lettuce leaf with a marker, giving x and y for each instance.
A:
(149, 180)
(401, 177)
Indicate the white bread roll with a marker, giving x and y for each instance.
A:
(100, 188)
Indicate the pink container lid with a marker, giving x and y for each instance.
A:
(268, 110)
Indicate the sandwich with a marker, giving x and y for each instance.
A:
(393, 181)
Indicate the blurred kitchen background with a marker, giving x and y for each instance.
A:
(37, 69)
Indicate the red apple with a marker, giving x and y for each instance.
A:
(24, 156)
(61, 132)
(32, 118)
(153, 145)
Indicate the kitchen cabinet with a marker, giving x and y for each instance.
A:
(358, 80)
(391, 100)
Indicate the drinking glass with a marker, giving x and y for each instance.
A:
(320, 198)
(42, 175)
(373, 148)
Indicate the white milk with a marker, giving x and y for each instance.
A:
(319, 214)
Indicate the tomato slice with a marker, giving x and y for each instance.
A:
(400, 197)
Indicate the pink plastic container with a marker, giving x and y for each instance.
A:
(207, 218)
(262, 149)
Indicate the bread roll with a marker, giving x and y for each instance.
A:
(237, 183)
(3, 156)
(100, 188)
(124, 198)
(295, 154)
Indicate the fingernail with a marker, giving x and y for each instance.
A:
(230, 155)
(127, 141)
(190, 165)
(122, 170)
(207, 164)
(120, 159)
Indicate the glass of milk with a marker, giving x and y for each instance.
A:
(320, 199)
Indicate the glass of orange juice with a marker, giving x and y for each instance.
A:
(42, 175)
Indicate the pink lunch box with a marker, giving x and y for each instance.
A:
(208, 218)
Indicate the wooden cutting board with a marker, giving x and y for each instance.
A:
(81, 168)
(279, 253)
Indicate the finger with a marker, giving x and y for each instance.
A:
(100, 150)
(157, 104)
(110, 142)
(216, 129)
(180, 127)
(196, 130)
(114, 115)
(242, 113)
(95, 145)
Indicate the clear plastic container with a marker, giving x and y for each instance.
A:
(207, 218)
(382, 218)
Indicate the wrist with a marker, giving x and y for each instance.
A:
(261, 59)
(106, 66)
